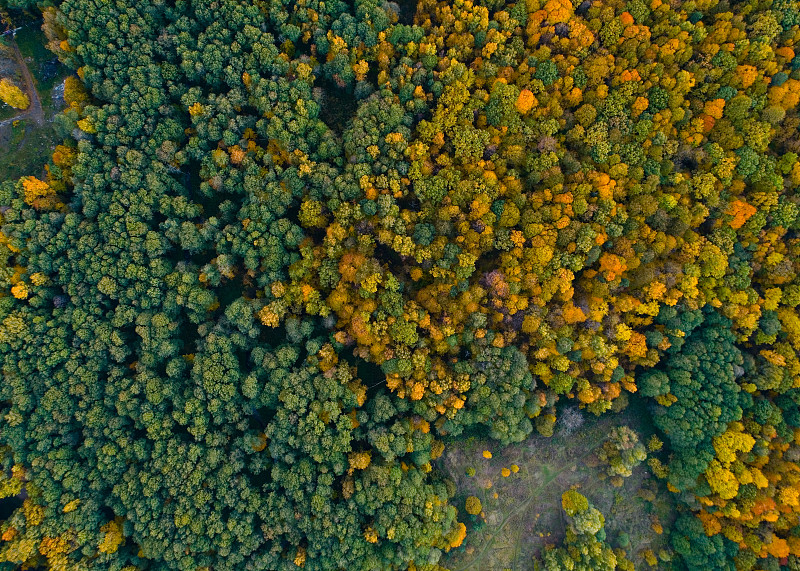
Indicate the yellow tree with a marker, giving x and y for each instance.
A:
(12, 95)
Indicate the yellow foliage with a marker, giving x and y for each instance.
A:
(574, 502)
(558, 11)
(113, 537)
(20, 551)
(654, 444)
(747, 75)
(589, 394)
(12, 95)
(759, 479)
(54, 548)
(359, 460)
(789, 496)
(637, 346)
(74, 93)
(612, 265)
(196, 109)
(456, 537)
(371, 535)
(778, 547)
(473, 505)
(715, 108)
(34, 514)
(650, 557)
(86, 125)
(300, 557)
(304, 71)
(268, 316)
(732, 441)
(573, 314)
(639, 105)
(722, 480)
(35, 190)
(19, 290)
(711, 524)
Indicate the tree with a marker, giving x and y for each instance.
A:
(702, 377)
(286, 248)
(697, 549)
(12, 95)
(585, 545)
(622, 451)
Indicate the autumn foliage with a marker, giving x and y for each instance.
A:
(287, 250)
(12, 95)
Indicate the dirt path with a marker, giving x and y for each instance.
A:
(5, 122)
(35, 108)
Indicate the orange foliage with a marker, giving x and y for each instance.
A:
(37, 193)
(525, 101)
(741, 213)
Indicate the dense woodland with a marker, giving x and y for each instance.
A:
(288, 250)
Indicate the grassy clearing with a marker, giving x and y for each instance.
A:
(30, 147)
(47, 71)
(522, 512)
(7, 112)
(27, 145)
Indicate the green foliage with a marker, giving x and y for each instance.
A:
(622, 452)
(501, 386)
(697, 550)
(585, 546)
(702, 377)
(289, 247)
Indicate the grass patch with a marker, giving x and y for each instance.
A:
(7, 112)
(522, 511)
(43, 64)
(29, 147)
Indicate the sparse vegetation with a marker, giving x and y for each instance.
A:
(525, 517)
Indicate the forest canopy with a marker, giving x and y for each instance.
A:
(286, 252)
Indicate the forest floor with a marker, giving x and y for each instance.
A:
(28, 137)
(522, 512)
